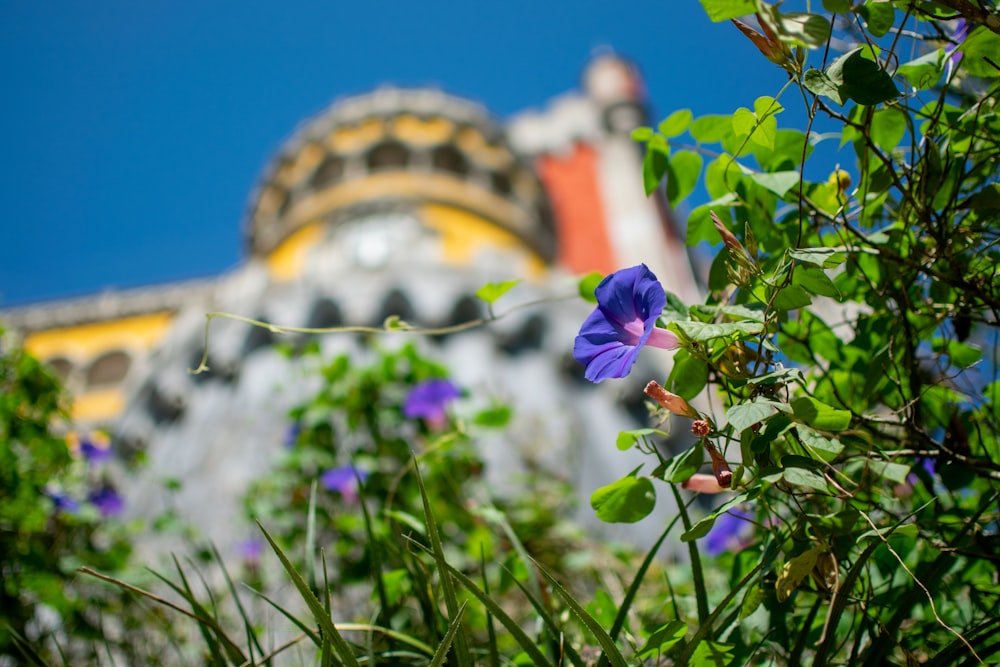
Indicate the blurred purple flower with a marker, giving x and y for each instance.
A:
(725, 533)
(628, 303)
(343, 480)
(63, 502)
(960, 30)
(107, 501)
(292, 435)
(250, 550)
(94, 451)
(428, 400)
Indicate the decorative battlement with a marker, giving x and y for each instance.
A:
(403, 146)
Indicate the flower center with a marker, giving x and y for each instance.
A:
(634, 329)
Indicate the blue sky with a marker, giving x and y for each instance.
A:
(133, 132)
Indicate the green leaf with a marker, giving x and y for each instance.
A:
(826, 258)
(676, 123)
(899, 530)
(628, 500)
(723, 10)
(490, 292)
(819, 415)
(743, 122)
(960, 355)
(987, 199)
(745, 415)
(588, 284)
(819, 83)
(837, 6)
(712, 129)
(980, 47)
(642, 134)
(675, 308)
(780, 376)
(805, 478)
(680, 468)
(494, 417)
(888, 128)
(701, 528)
(683, 171)
(880, 17)
(688, 376)
(815, 281)
(825, 448)
(752, 599)
(765, 106)
(862, 80)
(626, 439)
(894, 472)
(654, 166)
(792, 297)
(663, 638)
(779, 182)
(795, 27)
(795, 571)
(702, 332)
(924, 72)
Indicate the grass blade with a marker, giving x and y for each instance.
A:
(524, 641)
(490, 630)
(442, 651)
(603, 638)
(447, 588)
(550, 623)
(323, 619)
(247, 625)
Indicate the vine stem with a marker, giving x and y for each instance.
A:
(391, 325)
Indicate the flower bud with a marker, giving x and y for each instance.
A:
(670, 401)
(702, 484)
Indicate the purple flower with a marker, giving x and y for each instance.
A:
(250, 550)
(292, 435)
(63, 502)
(107, 501)
(628, 303)
(343, 480)
(428, 399)
(725, 533)
(959, 33)
(94, 451)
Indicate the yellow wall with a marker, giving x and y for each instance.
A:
(98, 406)
(287, 261)
(464, 235)
(84, 343)
(88, 341)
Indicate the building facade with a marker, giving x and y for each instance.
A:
(397, 202)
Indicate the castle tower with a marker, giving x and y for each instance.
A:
(398, 202)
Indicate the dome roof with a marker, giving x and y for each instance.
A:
(396, 147)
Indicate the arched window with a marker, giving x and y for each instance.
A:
(325, 313)
(108, 370)
(529, 336)
(449, 158)
(501, 183)
(388, 155)
(61, 366)
(328, 172)
(257, 338)
(396, 303)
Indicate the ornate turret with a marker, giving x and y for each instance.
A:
(414, 174)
